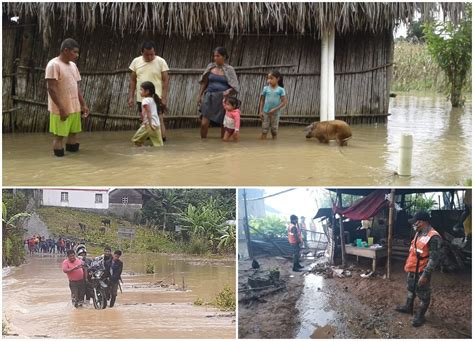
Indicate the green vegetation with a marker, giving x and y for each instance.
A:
(13, 251)
(225, 300)
(205, 228)
(150, 268)
(199, 301)
(270, 225)
(450, 45)
(435, 57)
(203, 224)
(191, 221)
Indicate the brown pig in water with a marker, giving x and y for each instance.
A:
(330, 130)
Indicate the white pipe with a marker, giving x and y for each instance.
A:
(331, 98)
(323, 80)
(406, 151)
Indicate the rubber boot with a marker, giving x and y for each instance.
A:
(407, 308)
(419, 319)
(59, 152)
(299, 266)
(112, 301)
(73, 148)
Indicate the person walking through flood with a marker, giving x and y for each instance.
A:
(73, 268)
(150, 127)
(295, 239)
(65, 101)
(272, 100)
(231, 119)
(114, 269)
(423, 257)
(218, 80)
(149, 68)
(82, 255)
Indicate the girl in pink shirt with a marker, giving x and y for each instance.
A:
(231, 119)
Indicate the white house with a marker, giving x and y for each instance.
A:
(96, 198)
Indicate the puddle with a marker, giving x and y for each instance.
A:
(317, 319)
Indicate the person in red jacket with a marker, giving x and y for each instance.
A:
(423, 257)
(296, 240)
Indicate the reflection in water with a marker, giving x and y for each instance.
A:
(315, 314)
(36, 302)
(442, 155)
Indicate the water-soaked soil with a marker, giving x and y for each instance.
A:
(275, 315)
(36, 303)
(352, 307)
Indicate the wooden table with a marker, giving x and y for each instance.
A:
(366, 252)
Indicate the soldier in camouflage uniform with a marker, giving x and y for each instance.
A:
(422, 259)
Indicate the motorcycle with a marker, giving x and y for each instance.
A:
(96, 276)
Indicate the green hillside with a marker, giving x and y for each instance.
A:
(65, 222)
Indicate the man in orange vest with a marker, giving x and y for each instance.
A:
(423, 257)
(295, 239)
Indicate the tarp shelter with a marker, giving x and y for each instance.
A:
(366, 207)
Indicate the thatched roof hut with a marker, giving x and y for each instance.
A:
(259, 36)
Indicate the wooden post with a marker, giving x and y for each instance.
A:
(390, 231)
(341, 228)
(246, 227)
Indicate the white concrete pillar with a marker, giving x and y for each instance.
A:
(331, 96)
(327, 101)
(406, 151)
(323, 80)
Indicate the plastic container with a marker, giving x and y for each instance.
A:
(359, 242)
(370, 241)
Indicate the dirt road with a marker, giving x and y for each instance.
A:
(354, 307)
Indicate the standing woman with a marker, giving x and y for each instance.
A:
(218, 80)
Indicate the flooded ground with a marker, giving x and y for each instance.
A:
(36, 302)
(441, 155)
(313, 306)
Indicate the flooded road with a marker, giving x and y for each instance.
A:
(441, 155)
(36, 302)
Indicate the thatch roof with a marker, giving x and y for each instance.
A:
(234, 18)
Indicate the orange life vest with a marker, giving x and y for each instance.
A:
(423, 251)
(292, 239)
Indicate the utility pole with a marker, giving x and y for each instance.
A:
(246, 226)
(391, 212)
(341, 228)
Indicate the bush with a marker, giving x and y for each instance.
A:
(225, 300)
(150, 268)
(270, 225)
(199, 301)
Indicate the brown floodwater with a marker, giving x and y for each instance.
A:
(441, 155)
(36, 301)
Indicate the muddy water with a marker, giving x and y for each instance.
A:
(442, 155)
(317, 319)
(36, 302)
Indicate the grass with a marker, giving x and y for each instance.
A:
(65, 222)
(415, 70)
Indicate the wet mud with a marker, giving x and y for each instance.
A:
(353, 307)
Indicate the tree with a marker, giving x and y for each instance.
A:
(415, 32)
(13, 252)
(450, 45)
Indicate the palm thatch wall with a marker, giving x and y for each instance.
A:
(259, 36)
